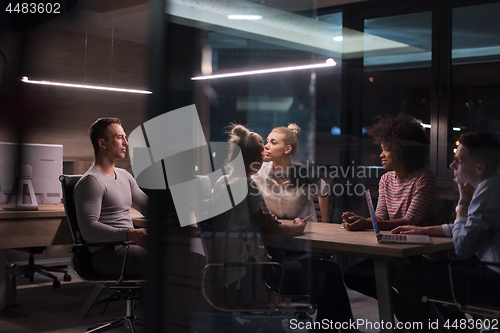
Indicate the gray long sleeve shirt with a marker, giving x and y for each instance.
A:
(102, 205)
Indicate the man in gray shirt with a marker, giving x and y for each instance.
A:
(103, 197)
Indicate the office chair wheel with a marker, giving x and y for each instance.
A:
(56, 284)
(67, 277)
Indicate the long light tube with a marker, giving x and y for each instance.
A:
(83, 86)
(456, 129)
(328, 63)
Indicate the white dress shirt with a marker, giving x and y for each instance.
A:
(285, 200)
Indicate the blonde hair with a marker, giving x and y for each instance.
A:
(251, 145)
(291, 133)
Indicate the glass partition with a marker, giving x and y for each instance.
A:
(274, 38)
(475, 85)
(397, 73)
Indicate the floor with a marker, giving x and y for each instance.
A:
(42, 308)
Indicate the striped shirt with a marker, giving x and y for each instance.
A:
(412, 198)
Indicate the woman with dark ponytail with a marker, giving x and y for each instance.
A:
(322, 280)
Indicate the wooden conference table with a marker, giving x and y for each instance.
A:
(331, 238)
(46, 226)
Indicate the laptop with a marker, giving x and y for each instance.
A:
(393, 238)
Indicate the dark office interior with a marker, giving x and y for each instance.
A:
(435, 60)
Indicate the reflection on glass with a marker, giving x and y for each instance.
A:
(396, 79)
(475, 93)
(475, 34)
(309, 97)
(410, 35)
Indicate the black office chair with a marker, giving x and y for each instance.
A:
(31, 268)
(472, 307)
(253, 292)
(317, 208)
(127, 287)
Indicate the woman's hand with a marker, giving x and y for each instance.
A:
(275, 218)
(357, 223)
(301, 224)
(352, 221)
(346, 216)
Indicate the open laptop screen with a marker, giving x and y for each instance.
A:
(372, 210)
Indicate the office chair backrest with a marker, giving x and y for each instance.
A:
(82, 261)
(68, 183)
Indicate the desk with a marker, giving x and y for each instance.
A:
(46, 226)
(43, 227)
(331, 238)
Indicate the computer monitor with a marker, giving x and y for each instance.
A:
(46, 165)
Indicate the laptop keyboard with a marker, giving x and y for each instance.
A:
(394, 238)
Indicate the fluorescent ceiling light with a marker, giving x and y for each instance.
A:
(83, 86)
(244, 17)
(456, 129)
(328, 63)
(338, 38)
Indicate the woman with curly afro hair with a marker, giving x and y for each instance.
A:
(406, 194)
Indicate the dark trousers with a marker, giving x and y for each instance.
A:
(322, 280)
(108, 261)
(472, 283)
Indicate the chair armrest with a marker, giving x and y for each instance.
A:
(71, 249)
(126, 245)
(225, 265)
(454, 302)
(269, 306)
(474, 261)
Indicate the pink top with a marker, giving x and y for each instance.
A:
(412, 198)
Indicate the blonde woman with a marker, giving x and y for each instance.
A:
(284, 198)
